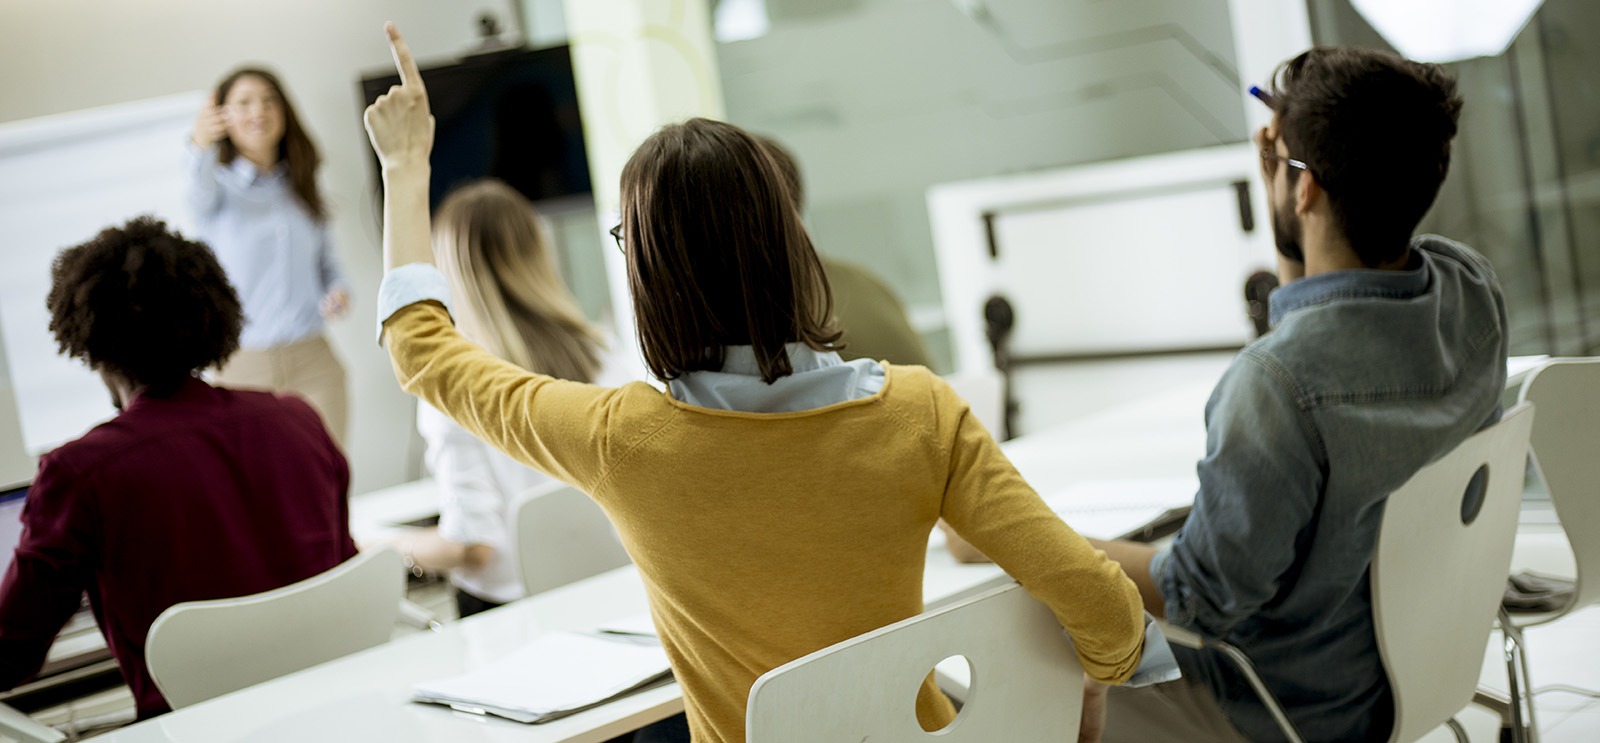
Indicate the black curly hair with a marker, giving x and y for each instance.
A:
(142, 302)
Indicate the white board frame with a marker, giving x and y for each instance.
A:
(968, 276)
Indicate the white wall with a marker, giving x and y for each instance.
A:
(67, 55)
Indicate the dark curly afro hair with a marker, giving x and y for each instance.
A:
(142, 302)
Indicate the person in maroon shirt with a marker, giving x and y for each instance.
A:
(191, 492)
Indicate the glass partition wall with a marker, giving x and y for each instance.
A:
(881, 99)
(1524, 184)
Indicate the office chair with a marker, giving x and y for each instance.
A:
(1566, 456)
(1027, 686)
(1438, 572)
(562, 537)
(197, 650)
(985, 394)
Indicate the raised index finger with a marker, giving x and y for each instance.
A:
(410, 76)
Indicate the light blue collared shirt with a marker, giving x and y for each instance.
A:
(275, 253)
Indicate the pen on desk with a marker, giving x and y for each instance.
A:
(1264, 97)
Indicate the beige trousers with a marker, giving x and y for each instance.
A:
(1181, 711)
(306, 368)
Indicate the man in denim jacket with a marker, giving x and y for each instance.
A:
(1386, 352)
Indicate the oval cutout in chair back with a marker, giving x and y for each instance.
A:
(1472, 499)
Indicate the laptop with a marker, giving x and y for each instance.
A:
(10, 522)
(79, 644)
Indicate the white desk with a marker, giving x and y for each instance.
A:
(374, 516)
(364, 696)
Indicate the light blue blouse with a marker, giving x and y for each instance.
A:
(275, 252)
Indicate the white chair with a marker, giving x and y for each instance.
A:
(563, 536)
(19, 727)
(1438, 573)
(197, 650)
(1027, 686)
(1566, 456)
(984, 392)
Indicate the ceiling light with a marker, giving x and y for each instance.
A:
(1448, 30)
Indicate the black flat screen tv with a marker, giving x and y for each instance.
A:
(509, 114)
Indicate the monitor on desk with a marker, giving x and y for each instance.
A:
(11, 500)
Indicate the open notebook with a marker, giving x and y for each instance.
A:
(559, 674)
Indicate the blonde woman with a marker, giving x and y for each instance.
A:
(509, 298)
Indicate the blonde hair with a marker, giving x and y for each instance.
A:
(508, 295)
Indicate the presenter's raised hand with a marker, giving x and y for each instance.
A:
(398, 123)
(210, 126)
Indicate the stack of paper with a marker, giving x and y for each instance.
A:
(560, 674)
(1111, 509)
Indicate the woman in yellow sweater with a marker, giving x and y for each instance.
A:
(776, 499)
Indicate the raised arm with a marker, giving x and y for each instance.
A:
(555, 426)
(203, 192)
(401, 129)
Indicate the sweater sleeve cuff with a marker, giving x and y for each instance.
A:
(1157, 664)
(409, 284)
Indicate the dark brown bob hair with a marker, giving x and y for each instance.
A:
(295, 149)
(717, 255)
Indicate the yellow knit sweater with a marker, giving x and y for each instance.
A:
(762, 537)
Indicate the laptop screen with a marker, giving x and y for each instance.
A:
(10, 523)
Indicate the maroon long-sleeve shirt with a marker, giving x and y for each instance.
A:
(210, 493)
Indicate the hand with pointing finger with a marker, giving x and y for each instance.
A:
(210, 126)
(398, 123)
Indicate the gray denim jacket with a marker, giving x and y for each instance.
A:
(1365, 377)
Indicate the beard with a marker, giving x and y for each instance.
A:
(1287, 233)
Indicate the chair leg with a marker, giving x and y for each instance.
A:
(1499, 704)
(1267, 698)
(1518, 678)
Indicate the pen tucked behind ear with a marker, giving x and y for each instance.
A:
(1264, 97)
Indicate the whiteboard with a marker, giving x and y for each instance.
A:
(1128, 257)
(63, 179)
(1104, 276)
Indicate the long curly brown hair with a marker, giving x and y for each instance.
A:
(296, 147)
(142, 302)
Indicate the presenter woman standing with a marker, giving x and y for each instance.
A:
(253, 190)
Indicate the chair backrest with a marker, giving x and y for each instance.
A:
(197, 650)
(1440, 569)
(1027, 684)
(563, 536)
(984, 392)
(1566, 450)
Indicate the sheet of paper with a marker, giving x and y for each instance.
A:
(1106, 509)
(558, 672)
